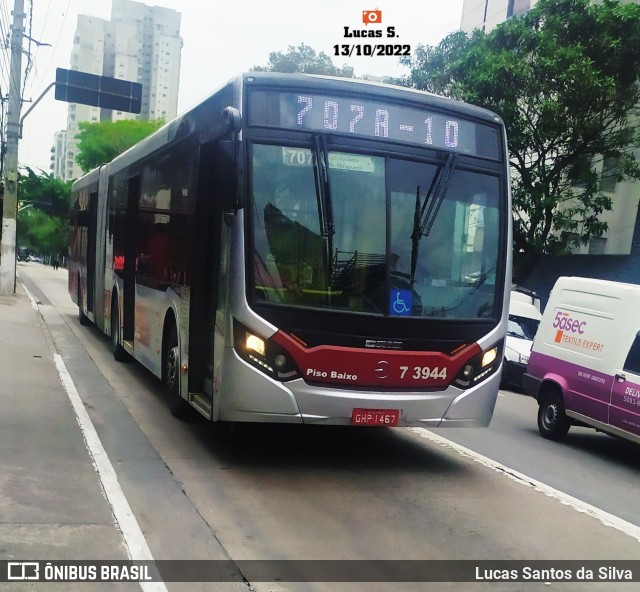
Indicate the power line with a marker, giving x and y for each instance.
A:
(27, 70)
(55, 45)
(39, 44)
(4, 33)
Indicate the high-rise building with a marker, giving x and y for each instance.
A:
(145, 46)
(58, 154)
(141, 44)
(486, 14)
(624, 217)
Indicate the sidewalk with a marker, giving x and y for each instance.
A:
(51, 501)
(58, 500)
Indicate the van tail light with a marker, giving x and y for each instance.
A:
(480, 367)
(263, 353)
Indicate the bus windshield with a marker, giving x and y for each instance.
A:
(360, 233)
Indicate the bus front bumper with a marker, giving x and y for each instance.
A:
(261, 399)
(451, 407)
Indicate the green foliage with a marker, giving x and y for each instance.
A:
(303, 59)
(102, 142)
(45, 192)
(564, 78)
(43, 234)
(43, 217)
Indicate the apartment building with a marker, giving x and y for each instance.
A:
(486, 14)
(58, 154)
(140, 43)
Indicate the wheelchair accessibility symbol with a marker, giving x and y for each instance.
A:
(400, 302)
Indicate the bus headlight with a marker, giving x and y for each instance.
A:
(262, 353)
(255, 344)
(489, 357)
(480, 367)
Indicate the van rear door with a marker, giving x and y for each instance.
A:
(624, 412)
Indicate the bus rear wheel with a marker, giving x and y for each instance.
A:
(83, 318)
(119, 353)
(171, 375)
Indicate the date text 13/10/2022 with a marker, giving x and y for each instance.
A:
(380, 49)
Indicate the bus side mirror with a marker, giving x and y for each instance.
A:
(229, 174)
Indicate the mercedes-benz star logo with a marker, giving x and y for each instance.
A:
(382, 369)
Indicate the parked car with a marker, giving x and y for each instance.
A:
(524, 318)
(584, 367)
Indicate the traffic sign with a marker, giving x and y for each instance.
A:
(73, 86)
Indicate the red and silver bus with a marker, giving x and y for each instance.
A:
(306, 249)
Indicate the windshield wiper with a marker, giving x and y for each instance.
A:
(325, 208)
(425, 214)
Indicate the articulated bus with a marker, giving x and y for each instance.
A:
(306, 249)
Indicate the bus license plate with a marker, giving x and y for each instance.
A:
(375, 417)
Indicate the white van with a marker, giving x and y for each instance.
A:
(584, 367)
(524, 318)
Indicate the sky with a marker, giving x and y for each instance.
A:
(221, 40)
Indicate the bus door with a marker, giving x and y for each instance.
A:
(219, 290)
(209, 334)
(91, 250)
(209, 294)
(130, 253)
(206, 263)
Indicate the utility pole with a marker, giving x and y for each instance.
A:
(10, 206)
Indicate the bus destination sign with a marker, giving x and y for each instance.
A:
(373, 119)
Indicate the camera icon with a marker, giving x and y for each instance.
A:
(373, 17)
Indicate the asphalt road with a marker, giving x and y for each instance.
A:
(302, 492)
(593, 467)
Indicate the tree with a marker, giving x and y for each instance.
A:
(43, 223)
(303, 59)
(102, 142)
(45, 192)
(42, 233)
(564, 78)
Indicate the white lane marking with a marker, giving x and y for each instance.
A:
(134, 540)
(607, 519)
